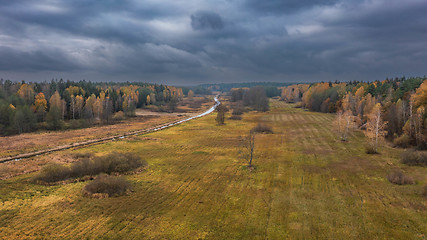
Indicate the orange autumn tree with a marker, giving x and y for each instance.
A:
(40, 106)
(344, 122)
(375, 128)
(27, 93)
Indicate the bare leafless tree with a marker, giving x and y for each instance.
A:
(248, 144)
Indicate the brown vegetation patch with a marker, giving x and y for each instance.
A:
(114, 162)
(106, 185)
(398, 177)
(235, 117)
(413, 158)
(262, 128)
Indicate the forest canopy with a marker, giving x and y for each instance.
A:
(26, 107)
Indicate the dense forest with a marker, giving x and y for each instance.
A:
(26, 107)
(402, 103)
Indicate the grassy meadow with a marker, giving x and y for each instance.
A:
(306, 185)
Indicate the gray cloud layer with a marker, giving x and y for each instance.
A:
(184, 42)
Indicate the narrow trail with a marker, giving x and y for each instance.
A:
(105, 139)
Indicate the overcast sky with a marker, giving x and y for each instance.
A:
(193, 41)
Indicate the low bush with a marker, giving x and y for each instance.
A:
(398, 177)
(118, 162)
(118, 116)
(235, 117)
(112, 163)
(105, 184)
(370, 150)
(413, 158)
(53, 172)
(403, 141)
(237, 111)
(262, 128)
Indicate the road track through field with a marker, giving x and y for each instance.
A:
(111, 138)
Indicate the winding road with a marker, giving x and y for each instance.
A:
(111, 138)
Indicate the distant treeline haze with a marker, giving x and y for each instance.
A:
(26, 107)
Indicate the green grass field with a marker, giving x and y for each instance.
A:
(306, 185)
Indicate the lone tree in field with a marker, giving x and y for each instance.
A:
(248, 145)
(220, 117)
(343, 123)
(375, 127)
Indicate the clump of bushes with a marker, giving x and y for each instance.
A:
(237, 111)
(53, 172)
(118, 162)
(118, 116)
(235, 117)
(398, 177)
(112, 163)
(403, 141)
(262, 128)
(370, 150)
(413, 158)
(108, 185)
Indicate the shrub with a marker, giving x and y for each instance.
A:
(118, 162)
(105, 184)
(53, 172)
(403, 141)
(235, 117)
(397, 177)
(112, 163)
(237, 111)
(262, 128)
(118, 116)
(413, 158)
(370, 150)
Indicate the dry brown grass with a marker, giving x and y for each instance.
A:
(29, 142)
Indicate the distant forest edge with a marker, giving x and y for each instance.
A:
(26, 107)
(402, 104)
(226, 87)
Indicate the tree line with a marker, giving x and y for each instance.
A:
(255, 97)
(26, 107)
(393, 108)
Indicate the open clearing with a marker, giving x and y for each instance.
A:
(307, 184)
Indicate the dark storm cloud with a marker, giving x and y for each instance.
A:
(206, 20)
(35, 60)
(181, 42)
